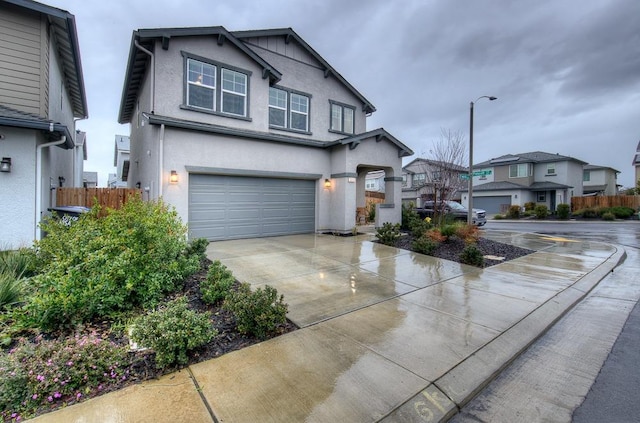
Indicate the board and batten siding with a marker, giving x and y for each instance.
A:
(24, 61)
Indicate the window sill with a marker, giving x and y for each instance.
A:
(551, 174)
(215, 113)
(295, 131)
(349, 134)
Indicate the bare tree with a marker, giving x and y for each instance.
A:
(446, 161)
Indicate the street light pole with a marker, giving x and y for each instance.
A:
(470, 194)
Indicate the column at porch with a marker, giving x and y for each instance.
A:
(343, 202)
(391, 210)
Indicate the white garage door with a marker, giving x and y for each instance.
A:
(494, 204)
(228, 207)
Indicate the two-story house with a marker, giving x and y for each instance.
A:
(516, 179)
(251, 133)
(374, 181)
(425, 179)
(599, 180)
(41, 96)
(121, 162)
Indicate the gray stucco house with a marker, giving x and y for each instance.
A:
(41, 96)
(251, 133)
(515, 179)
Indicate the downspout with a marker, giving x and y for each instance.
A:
(39, 180)
(160, 160)
(152, 73)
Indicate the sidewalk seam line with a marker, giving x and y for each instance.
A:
(202, 397)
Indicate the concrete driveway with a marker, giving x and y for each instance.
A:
(386, 335)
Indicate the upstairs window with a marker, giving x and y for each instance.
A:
(288, 110)
(551, 169)
(234, 92)
(201, 89)
(342, 118)
(299, 115)
(519, 170)
(216, 88)
(419, 179)
(586, 176)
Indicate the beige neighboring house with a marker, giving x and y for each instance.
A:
(41, 97)
(422, 178)
(516, 179)
(374, 182)
(600, 180)
(252, 133)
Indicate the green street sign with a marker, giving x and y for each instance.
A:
(482, 173)
(464, 176)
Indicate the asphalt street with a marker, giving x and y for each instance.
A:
(586, 368)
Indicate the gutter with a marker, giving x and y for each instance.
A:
(152, 72)
(38, 216)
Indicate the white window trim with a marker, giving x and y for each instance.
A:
(243, 95)
(284, 109)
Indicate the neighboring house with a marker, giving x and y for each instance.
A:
(90, 179)
(41, 96)
(121, 162)
(251, 133)
(374, 181)
(636, 165)
(599, 180)
(423, 179)
(516, 179)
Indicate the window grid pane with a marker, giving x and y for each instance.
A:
(234, 90)
(201, 85)
(348, 120)
(299, 111)
(336, 117)
(277, 108)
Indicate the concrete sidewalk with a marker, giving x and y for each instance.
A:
(386, 334)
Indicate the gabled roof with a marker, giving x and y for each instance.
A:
(504, 185)
(532, 157)
(138, 60)
(596, 167)
(18, 119)
(377, 134)
(63, 25)
(289, 35)
(435, 163)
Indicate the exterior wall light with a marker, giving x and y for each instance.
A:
(5, 164)
(174, 177)
(327, 183)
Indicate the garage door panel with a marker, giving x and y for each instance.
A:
(492, 204)
(227, 207)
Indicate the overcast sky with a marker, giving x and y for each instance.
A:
(566, 73)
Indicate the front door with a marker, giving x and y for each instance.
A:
(552, 200)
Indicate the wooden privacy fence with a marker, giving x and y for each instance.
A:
(632, 201)
(112, 198)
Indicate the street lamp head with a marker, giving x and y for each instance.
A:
(491, 98)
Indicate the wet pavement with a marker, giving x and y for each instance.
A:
(385, 334)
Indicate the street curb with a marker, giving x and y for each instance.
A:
(468, 378)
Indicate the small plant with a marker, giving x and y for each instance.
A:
(409, 215)
(608, 216)
(563, 211)
(388, 234)
(11, 290)
(499, 217)
(172, 331)
(620, 212)
(468, 233)
(472, 255)
(514, 212)
(420, 226)
(217, 284)
(435, 235)
(425, 245)
(529, 206)
(449, 229)
(49, 373)
(371, 212)
(541, 211)
(258, 313)
(198, 247)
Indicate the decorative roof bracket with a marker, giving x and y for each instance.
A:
(165, 42)
(221, 38)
